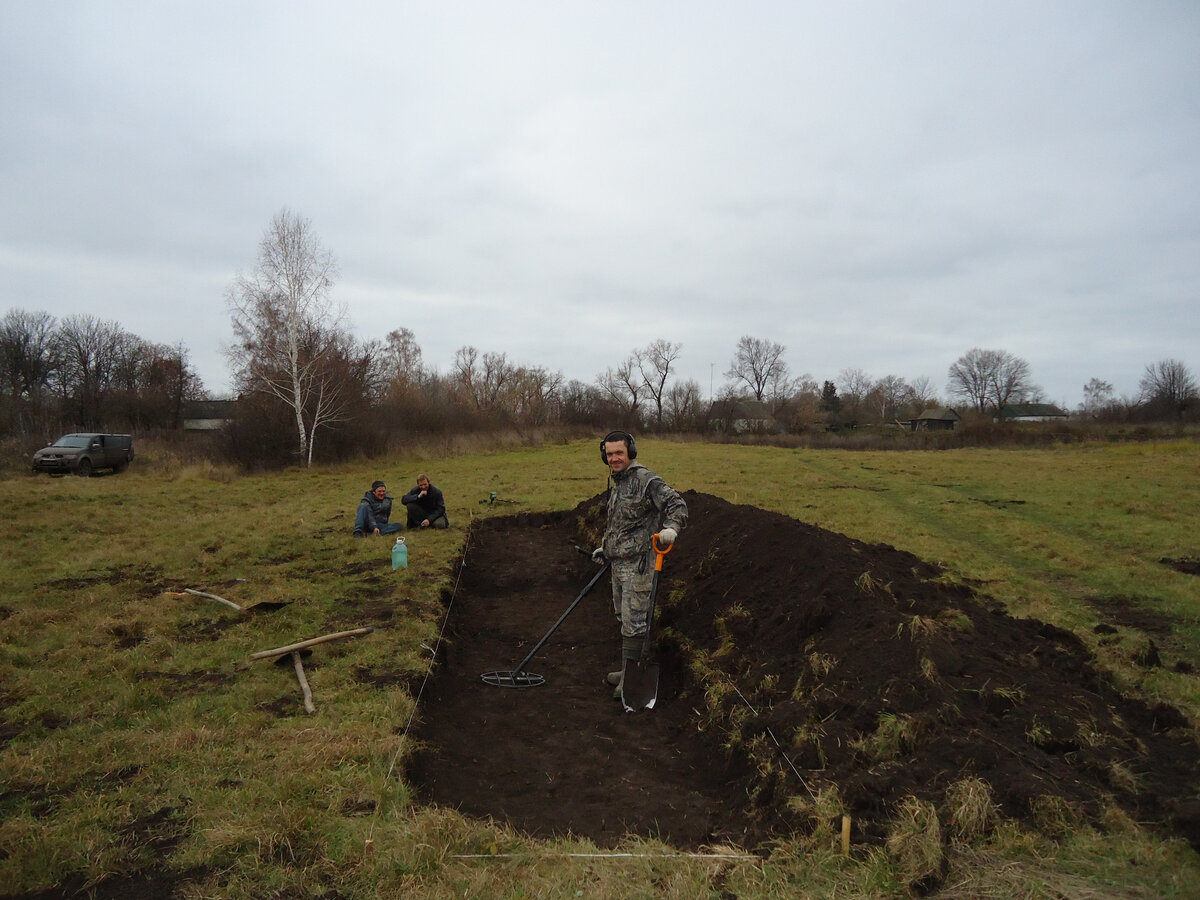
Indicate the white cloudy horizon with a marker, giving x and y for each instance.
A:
(875, 185)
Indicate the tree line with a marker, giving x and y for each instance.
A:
(88, 373)
(304, 381)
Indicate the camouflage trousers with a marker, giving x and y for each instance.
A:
(632, 580)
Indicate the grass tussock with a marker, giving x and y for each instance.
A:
(894, 736)
(970, 811)
(914, 843)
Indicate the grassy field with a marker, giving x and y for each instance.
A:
(139, 740)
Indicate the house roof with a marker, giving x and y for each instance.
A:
(939, 414)
(210, 409)
(1033, 411)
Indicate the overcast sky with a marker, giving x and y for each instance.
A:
(875, 185)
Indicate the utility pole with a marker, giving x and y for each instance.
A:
(710, 376)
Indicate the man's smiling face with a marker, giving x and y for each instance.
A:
(617, 455)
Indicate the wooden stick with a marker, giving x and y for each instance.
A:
(308, 701)
(279, 651)
(214, 597)
(845, 835)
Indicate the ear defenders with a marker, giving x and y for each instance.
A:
(614, 436)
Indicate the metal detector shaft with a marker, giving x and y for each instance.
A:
(574, 603)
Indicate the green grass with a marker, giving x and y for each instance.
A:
(140, 732)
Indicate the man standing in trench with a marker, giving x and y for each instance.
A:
(639, 505)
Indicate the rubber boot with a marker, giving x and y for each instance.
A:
(617, 681)
(631, 651)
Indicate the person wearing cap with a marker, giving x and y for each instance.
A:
(640, 505)
(374, 510)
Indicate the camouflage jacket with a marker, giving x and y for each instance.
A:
(639, 504)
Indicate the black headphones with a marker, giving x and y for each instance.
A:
(614, 436)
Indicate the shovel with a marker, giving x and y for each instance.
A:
(639, 685)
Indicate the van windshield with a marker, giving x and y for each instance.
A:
(72, 440)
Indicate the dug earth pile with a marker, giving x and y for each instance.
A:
(800, 668)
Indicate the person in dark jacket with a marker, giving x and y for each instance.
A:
(374, 510)
(426, 506)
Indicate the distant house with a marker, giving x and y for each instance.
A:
(938, 418)
(1032, 412)
(208, 415)
(743, 417)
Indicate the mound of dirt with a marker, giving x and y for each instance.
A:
(857, 667)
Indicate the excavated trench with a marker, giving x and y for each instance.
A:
(856, 666)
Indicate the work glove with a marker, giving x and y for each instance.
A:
(666, 537)
(598, 555)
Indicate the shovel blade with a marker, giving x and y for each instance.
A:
(639, 687)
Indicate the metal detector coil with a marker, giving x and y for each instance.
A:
(513, 679)
(518, 677)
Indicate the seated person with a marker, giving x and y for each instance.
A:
(426, 506)
(374, 510)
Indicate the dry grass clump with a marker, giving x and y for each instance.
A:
(872, 586)
(822, 664)
(914, 843)
(970, 810)
(823, 806)
(919, 628)
(1055, 816)
(894, 735)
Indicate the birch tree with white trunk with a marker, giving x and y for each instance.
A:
(288, 328)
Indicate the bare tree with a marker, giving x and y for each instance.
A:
(30, 356)
(854, 385)
(802, 409)
(404, 358)
(533, 394)
(89, 349)
(654, 364)
(288, 328)
(1012, 382)
(990, 378)
(684, 408)
(1097, 396)
(971, 377)
(624, 387)
(759, 364)
(482, 378)
(170, 382)
(466, 374)
(1168, 384)
(582, 404)
(923, 394)
(891, 393)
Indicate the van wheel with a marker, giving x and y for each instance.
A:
(84, 469)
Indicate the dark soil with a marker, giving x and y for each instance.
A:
(831, 643)
(1186, 564)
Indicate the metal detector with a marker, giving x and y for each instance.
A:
(518, 677)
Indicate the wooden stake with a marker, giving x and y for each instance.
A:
(214, 597)
(308, 700)
(279, 651)
(845, 835)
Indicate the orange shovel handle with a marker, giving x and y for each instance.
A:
(660, 552)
